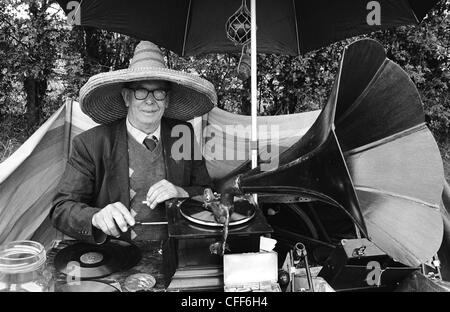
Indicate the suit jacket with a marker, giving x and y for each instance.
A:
(97, 174)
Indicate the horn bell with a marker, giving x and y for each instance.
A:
(392, 157)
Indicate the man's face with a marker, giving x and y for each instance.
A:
(145, 104)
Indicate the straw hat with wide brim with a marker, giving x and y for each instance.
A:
(190, 96)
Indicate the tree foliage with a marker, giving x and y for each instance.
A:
(38, 45)
(28, 54)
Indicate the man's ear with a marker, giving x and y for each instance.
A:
(125, 96)
(166, 104)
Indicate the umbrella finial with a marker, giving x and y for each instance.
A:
(238, 26)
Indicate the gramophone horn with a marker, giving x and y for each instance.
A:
(390, 181)
(393, 159)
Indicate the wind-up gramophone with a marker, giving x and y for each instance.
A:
(369, 156)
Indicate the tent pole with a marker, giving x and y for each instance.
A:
(254, 96)
(68, 129)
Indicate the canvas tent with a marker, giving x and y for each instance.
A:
(28, 178)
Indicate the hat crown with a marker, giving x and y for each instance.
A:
(147, 54)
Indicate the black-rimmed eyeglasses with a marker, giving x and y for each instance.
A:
(142, 94)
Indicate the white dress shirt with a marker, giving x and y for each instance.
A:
(139, 135)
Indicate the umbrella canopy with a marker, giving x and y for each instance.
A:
(192, 27)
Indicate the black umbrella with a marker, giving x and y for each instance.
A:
(192, 27)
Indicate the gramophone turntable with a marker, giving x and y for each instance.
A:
(198, 211)
(193, 229)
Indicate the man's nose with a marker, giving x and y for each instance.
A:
(150, 100)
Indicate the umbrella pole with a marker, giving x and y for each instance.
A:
(254, 97)
(254, 86)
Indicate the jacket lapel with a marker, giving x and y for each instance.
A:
(119, 188)
(174, 168)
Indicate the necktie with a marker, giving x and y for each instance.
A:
(150, 143)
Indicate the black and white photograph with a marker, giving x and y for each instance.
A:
(201, 149)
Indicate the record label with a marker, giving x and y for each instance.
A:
(91, 258)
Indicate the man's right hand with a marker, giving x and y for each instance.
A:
(107, 218)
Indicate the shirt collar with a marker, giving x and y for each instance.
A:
(139, 135)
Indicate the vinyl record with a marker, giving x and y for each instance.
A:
(88, 286)
(194, 211)
(87, 261)
(131, 252)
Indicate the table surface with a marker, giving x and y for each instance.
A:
(150, 263)
(152, 258)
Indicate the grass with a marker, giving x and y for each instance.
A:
(12, 134)
(7, 148)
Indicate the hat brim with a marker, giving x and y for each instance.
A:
(190, 95)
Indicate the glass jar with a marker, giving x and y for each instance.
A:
(23, 268)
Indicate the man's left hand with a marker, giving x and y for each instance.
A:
(162, 191)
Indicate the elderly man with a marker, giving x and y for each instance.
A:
(120, 171)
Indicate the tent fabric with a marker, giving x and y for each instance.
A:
(226, 137)
(28, 178)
